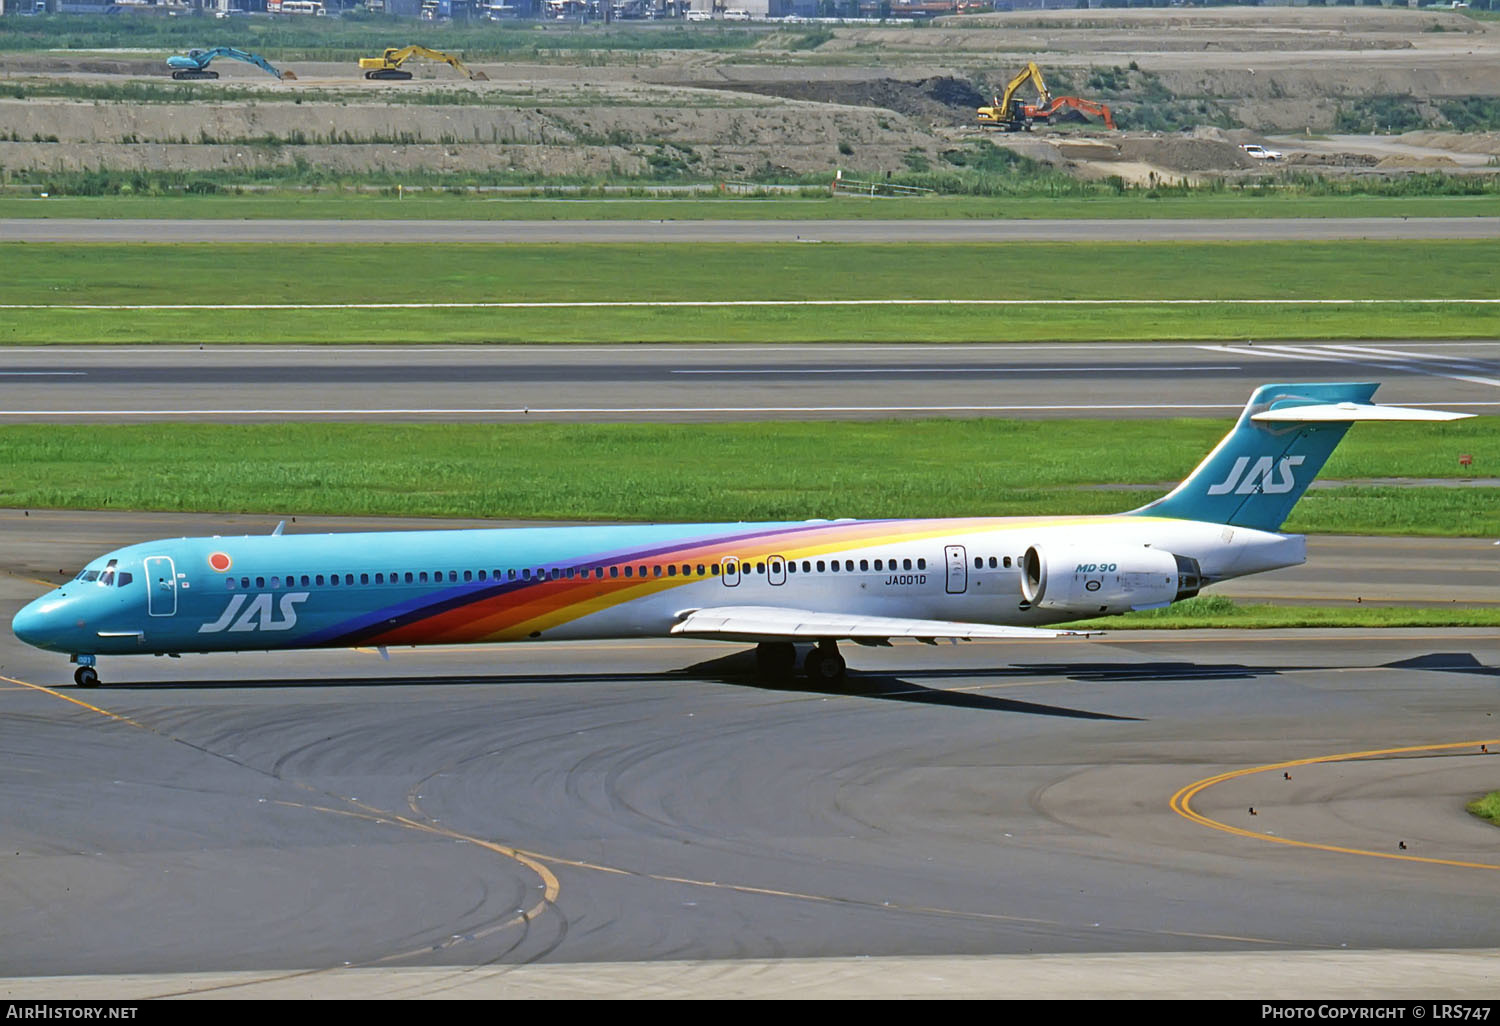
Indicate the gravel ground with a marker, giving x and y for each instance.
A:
(869, 98)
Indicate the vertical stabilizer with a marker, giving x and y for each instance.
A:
(1256, 474)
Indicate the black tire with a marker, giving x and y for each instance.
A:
(86, 677)
(812, 665)
(775, 660)
(831, 668)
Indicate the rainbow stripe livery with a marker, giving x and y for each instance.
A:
(774, 584)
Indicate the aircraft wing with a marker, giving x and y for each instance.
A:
(763, 623)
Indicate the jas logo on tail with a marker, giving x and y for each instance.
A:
(1259, 477)
(257, 615)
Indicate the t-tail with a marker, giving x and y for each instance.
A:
(1256, 474)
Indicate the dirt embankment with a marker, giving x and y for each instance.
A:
(585, 140)
(869, 98)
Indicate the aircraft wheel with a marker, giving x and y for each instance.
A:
(831, 668)
(86, 677)
(823, 666)
(775, 659)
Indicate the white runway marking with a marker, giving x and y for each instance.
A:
(1437, 366)
(705, 303)
(43, 374)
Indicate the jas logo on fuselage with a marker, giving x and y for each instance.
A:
(257, 614)
(1259, 478)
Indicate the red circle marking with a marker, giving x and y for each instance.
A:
(219, 561)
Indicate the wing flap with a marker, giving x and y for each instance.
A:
(759, 623)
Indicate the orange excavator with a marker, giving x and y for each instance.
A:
(1099, 110)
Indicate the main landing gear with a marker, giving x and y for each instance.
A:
(824, 664)
(777, 660)
(85, 676)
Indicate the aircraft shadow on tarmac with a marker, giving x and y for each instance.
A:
(1448, 662)
(739, 669)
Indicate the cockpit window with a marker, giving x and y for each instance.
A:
(123, 578)
(90, 575)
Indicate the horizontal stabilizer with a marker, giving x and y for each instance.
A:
(758, 623)
(1345, 413)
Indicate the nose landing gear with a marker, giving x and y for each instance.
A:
(85, 676)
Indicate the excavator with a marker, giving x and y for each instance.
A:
(194, 65)
(1009, 114)
(1099, 110)
(388, 65)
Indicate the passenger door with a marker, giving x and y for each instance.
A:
(958, 569)
(161, 586)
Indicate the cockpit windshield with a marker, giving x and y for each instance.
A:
(108, 577)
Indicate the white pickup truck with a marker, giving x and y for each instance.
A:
(1260, 152)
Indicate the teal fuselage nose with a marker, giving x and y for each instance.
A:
(47, 623)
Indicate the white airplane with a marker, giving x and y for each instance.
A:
(771, 584)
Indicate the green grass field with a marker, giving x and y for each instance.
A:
(1215, 611)
(1487, 807)
(636, 472)
(1427, 279)
(438, 204)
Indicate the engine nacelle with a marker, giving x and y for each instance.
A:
(1091, 579)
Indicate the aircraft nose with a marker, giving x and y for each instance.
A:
(37, 622)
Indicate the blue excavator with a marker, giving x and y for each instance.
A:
(194, 65)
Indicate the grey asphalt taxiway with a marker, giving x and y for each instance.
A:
(717, 382)
(1143, 813)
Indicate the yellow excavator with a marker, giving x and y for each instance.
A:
(1009, 114)
(388, 65)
